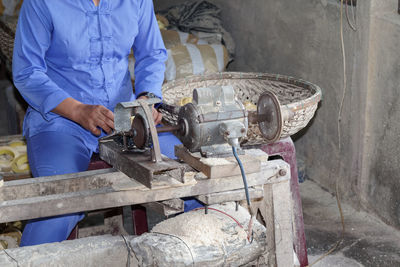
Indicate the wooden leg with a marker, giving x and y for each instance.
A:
(286, 149)
(283, 223)
(267, 212)
(276, 208)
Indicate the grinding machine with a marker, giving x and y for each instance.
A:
(212, 124)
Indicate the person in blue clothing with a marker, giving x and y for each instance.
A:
(70, 64)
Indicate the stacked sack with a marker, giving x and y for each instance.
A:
(13, 158)
(189, 53)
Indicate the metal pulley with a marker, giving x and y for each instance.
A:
(269, 117)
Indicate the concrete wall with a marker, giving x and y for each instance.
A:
(381, 184)
(301, 38)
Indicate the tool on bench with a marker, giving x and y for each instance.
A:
(211, 124)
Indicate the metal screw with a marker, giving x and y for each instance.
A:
(237, 205)
(282, 172)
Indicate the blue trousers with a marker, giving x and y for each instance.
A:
(52, 153)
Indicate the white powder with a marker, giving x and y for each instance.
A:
(213, 229)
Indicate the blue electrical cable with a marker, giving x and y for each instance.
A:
(246, 188)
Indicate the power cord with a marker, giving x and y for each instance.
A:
(246, 189)
(11, 257)
(193, 263)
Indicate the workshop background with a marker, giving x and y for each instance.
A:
(301, 38)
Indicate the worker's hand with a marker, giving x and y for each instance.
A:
(90, 117)
(157, 116)
(94, 117)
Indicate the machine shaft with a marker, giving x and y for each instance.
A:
(168, 128)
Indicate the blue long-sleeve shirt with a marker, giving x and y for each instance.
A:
(74, 49)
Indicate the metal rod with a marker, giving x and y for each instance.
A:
(254, 117)
(168, 128)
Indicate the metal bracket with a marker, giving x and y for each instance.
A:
(123, 112)
(156, 151)
(122, 121)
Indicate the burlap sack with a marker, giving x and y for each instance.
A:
(189, 59)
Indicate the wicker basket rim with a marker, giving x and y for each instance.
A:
(312, 100)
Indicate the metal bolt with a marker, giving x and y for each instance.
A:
(243, 130)
(237, 205)
(206, 209)
(218, 103)
(282, 172)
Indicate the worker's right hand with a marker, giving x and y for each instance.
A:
(94, 117)
(90, 117)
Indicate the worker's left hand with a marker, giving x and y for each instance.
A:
(157, 116)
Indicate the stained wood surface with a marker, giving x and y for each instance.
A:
(218, 167)
(93, 190)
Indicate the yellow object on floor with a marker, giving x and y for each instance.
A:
(13, 157)
(20, 164)
(7, 155)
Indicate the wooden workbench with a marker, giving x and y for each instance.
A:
(100, 189)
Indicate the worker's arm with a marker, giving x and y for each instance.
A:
(32, 40)
(150, 53)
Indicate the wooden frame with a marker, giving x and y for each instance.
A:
(100, 189)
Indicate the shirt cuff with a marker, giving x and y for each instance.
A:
(156, 92)
(51, 102)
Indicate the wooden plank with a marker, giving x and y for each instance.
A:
(167, 207)
(139, 165)
(58, 184)
(218, 167)
(16, 176)
(227, 196)
(109, 196)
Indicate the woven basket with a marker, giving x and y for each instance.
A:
(8, 25)
(297, 97)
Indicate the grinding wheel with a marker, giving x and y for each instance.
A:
(270, 120)
(140, 128)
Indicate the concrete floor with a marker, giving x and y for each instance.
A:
(367, 240)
